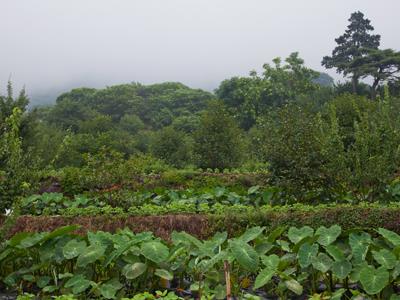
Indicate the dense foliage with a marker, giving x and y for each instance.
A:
(318, 142)
(325, 262)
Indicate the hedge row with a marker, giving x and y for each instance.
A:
(203, 226)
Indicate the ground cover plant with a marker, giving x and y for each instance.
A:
(325, 263)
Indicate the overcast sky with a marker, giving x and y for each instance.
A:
(57, 44)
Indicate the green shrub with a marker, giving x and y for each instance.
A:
(327, 262)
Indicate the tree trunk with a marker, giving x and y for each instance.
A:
(354, 82)
(227, 280)
(374, 88)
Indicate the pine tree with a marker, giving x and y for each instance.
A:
(355, 43)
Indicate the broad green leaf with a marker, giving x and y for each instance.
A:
(31, 241)
(328, 235)
(78, 283)
(263, 277)
(219, 191)
(271, 261)
(206, 265)
(50, 289)
(17, 238)
(385, 258)
(74, 248)
(43, 281)
(341, 269)
(263, 247)
(294, 286)
(253, 189)
(132, 271)
(61, 231)
(322, 262)
(335, 252)
(251, 234)
(90, 255)
(295, 235)
(374, 280)
(74, 280)
(285, 246)
(359, 244)
(246, 256)
(306, 253)
(109, 289)
(277, 232)
(219, 238)
(394, 297)
(164, 274)
(355, 272)
(155, 251)
(391, 236)
(117, 253)
(183, 237)
(396, 270)
(337, 295)
(29, 277)
(6, 253)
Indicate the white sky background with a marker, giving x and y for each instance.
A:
(58, 44)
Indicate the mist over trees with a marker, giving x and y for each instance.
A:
(308, 131)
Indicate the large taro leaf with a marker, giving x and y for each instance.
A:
(263, 246)
(132, 271)
(164, 274)
(207, 264)
(78, 283)
(341, 269)
(185, 238)
(322, 262)
(335, 252)
(43, 281)
(328, 235)
(274, 234)
(245, 255)
(359, 244)
(251, 234)
(31, 241)
(385, 258)
(101, 238)
(355, 272)
(61, 231)
(17, 238)
(90, 255)
(263, 277)
(271, 263)
(74, 248)
(109, 289)
(155, 251)
(391, 236)
(374, 280)
(294, 286)
(217, 240)
(295, 235)
(117, 253)
(337, 295)
(6, 253)
(306, 253)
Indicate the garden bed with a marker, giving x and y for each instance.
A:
(233, 221)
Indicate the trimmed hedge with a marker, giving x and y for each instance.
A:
(234, 222)
(348, 217)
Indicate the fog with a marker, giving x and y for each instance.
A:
(52, 45)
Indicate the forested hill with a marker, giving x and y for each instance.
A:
(130, 106)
